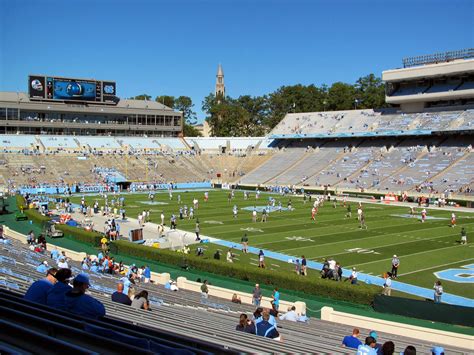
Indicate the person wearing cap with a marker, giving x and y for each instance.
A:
(257, 295)
(352, 341)
(395, 265)
(368, 348)
(43, 267)
(377, 347)
(38, 290)
(79, 303)
(353, 276)
(55, 297)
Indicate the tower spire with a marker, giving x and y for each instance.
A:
(220, 87)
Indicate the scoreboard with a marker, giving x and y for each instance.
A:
(41, 87)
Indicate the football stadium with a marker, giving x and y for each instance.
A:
(124, 228)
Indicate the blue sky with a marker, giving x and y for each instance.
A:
(174, 47)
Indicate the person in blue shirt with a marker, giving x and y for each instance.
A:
(147, 274)
(276, 298)
(43, 267)
(94, 267)
(352, 341)
(265, 329)
(368, 348)
(56, 295)
(54, 254)
(79, 303)
(126, 284)
(38, 290)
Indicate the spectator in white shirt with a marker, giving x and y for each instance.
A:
(291, 315)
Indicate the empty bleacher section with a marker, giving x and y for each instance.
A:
(178, 320)
(17, 143)
(363, 123)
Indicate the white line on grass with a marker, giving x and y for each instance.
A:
(405, 256)
(436, 266)
(352, 229)
(389, 245)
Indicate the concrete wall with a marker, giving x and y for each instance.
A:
(433, 336)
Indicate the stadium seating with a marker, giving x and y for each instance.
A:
(178, 320)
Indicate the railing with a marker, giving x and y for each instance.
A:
(438, 57)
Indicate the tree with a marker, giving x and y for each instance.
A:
(341, 96)
(142, 97)
(190, 131)
(166, 100)
(370, 91)
(185, 105)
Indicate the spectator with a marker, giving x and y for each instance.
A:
(126, 284)
(217, 255)
(141, 301)
(120, 297)
(230, 256)
(245, 325)
(266, 329)
(291, 315)
(437, 350)
(409, 350)
(43, 267)
(257, 295)
(387, 286)
(388, 348)
(38, 291)
(56, 295)
(367, 348)
(81, 304)
(276, 298)
(236, 299)
(30, 238)
(353, 277)
(62, 263)
(438, 291)
(204, 290)
(378, 347)
(352, 341)
(147, 274)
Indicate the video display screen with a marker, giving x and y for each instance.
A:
(66, 89)
(75, 90)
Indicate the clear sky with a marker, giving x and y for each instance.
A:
(174, 47)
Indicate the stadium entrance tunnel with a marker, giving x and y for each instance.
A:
(124, 185)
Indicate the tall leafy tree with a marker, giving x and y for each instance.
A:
(166, 100)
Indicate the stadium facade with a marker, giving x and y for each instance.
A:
(63, 106)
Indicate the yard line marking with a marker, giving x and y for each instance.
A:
(405, 256)
(436, 266)
(352, 229)
(389, 245)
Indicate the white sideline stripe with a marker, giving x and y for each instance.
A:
(388, 245)
(436, 266)
(405, 256)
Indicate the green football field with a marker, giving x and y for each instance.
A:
(423, 248)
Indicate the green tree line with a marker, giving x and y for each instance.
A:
(256, 115)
